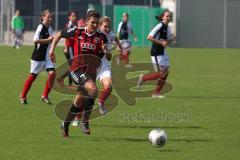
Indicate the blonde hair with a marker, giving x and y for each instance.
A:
(105, 19)
(44, 12)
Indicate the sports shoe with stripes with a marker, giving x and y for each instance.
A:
(140, 82)
(85, 128)
(46, 100)
(64, 130)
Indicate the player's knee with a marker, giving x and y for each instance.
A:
(91, 89)
(108, 87)
(34, 75)
(52, 74)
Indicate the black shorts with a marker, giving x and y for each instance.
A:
(79, 78)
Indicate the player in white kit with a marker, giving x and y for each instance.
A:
(104, 74)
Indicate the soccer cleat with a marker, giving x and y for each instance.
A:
(64, 130)
(46, 100)
(76, 123)
(157, 96)
(102, 108)
(23, 100)
(140, 81)
(85, 128)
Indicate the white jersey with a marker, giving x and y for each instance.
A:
(111, 38)
(105, 69)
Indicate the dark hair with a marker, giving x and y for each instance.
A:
(161, 15)
(71, 12)
(92, 14)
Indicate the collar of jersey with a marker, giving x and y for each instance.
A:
(88, 33)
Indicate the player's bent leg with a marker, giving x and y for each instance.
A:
(105, 93)
(160, 84)
(148, 77)
(48, 86)
(75, 109)
(26, 88)
(88, 106)
(91, 88)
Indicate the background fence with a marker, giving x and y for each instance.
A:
(200, 23)
(208, 23)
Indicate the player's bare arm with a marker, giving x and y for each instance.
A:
(56, 38)
(120, 49)
(159, 42)
(44, 41)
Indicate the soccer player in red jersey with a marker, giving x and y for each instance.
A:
(68, 47)
(88, 42)
(40, 58)
(104, 73)
(161, 37)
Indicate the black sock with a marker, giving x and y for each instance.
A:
(88, 106)
(72, 113)
(69, 79)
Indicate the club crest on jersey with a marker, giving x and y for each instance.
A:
(88, 46)
(96, 40)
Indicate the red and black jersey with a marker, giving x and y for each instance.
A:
(85, 45)
(69, 42)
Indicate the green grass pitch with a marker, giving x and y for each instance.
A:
(206, 90)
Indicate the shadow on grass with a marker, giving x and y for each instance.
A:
(190, 140)
(146, 140)
(149, 126)
(204, 97)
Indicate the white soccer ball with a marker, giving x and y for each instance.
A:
(157, 137)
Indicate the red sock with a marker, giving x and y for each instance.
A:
(151, 76)
(160, 84)
(49, 84)
(27, 85)
(104, 95)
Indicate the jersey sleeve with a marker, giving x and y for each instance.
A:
(119, 27)
(37, 33)
(68, 33)
(155, 30)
